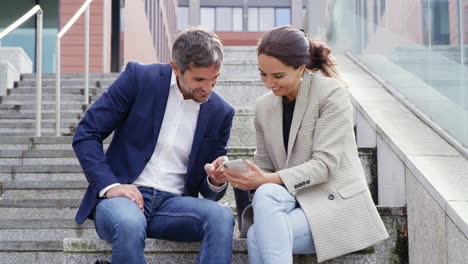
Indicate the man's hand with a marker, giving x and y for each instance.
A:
(215, 171)
(126, 190)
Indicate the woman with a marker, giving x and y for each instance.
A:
(311, 194)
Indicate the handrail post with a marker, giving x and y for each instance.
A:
(86, 91)
(104, 36)
(83, 8)
(39, 73)
(57, 87)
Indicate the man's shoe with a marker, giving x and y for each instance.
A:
(102, 262)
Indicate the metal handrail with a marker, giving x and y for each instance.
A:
(35, 10)
(83, 9)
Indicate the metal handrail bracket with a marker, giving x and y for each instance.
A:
(36, 10)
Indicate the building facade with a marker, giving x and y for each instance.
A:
(139, 30)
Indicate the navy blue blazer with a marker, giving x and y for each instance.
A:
(133, 108)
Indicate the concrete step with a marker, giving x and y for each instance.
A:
(13, 114)
(44, 214)
(66, 76)
(46, 97)
(51, 90)
(39, 203)
(51, 176)
(42, 223)
(65, 83)
(31, 123)
(37, 153)
(40, 168)
(46, 105)
(392, 250)
(5, 132)
(50, 234)
(51, 82)
(236, 52)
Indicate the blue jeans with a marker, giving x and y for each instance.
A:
(120, 222)
(280, 227)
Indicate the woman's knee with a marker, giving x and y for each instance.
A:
(267, 193)
(251, 241)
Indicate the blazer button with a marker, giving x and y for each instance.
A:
(303, 183)
(331, 197)
(295, 186)
(146, 158)
(308, 182)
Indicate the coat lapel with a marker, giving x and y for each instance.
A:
(162, 94)
(275, 116)
(202, 123)
(299, 110)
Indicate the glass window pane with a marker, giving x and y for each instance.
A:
(253, 19)
(25, 35)
(283, 17)
(207, 17)
(182, 18)
(223, 19)
(237, 21)
(266, 19)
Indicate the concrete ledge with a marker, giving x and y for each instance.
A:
(392, 250)
(17, 57)
(8, 76)
(430, 165)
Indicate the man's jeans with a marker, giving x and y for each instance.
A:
(280, 227)
(167, 216)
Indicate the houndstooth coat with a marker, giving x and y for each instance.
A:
(321, 167)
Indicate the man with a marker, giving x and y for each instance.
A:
(167, 123)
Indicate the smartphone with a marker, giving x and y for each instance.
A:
(237, 164)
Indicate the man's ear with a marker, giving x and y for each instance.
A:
(174, 68)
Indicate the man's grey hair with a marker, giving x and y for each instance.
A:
(197, 47)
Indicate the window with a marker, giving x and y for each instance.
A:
(253, 19)
(207, 17)
(283, 17)
(182, 18)
(237, 19)
(223, 19)
(265, 18)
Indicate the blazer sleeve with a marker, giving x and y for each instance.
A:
(333, 131)
(105, 115)
(220, 150)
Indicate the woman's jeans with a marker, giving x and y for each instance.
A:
(280, 227)
(167, 216)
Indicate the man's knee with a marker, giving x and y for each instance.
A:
(118, 216)
(220, 217)
(131, 224)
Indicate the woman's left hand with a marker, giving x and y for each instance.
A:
(249, 180)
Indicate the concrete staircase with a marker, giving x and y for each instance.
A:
(42, 183)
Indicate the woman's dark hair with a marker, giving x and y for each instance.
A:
(292, 47)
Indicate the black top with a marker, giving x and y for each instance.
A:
(288, 111)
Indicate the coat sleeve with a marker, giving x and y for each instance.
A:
(333, 131)
(105, 115)
(221, 150)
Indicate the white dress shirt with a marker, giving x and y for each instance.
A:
(167, 167)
